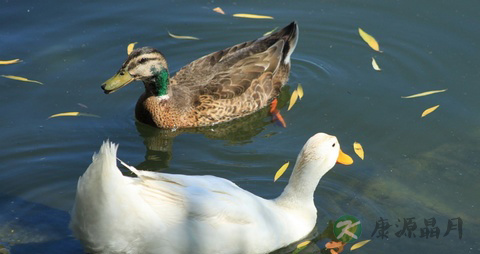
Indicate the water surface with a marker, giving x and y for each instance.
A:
(414, 167)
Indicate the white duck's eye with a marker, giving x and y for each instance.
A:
(333, 145)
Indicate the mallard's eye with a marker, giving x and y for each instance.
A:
(333, 145)
(143, 60)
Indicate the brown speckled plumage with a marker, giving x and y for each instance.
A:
(216, 88)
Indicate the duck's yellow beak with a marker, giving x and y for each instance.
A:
(343, 158)
(121, 79)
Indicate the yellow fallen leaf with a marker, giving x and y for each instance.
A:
(303, 244)
(281, 171)
(429, 110)
(424, 94)
(22, 79)
(271, 31)
(369, 40)
(293, 99)
(359, 245)
(375, 65)
(182, 37)
(300, 91)
(301, 247)
(251, 16)
(219, 10)
(358, 150)
(130, 47)
(13, 61)
(72, 114)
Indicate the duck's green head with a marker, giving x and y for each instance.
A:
(145, 64)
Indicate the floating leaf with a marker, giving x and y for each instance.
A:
(424, 94)
(358, 150)
(271, 31)
(72, 114)
(293, 99)
(429, 110)
(219, 10)
(303, 244)
(375, 65)
(300, 91)
(130, 47)
(21, 79)
(14, 61)
(251, 16)
(369, 40)
(281, 171)
(182, 37)
(359, 245)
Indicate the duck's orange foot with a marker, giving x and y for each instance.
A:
(273, 106)
(276, 116)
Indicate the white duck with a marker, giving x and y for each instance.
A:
(168, 213)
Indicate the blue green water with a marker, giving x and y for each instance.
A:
(414, 167)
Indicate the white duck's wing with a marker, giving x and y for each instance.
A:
(224, 215)
(199, 197)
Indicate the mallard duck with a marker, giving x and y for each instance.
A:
(218, 87)
(170, 213)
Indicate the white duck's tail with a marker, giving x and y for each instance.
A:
(101, 191)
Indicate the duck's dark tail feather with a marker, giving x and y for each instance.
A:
(290, 35)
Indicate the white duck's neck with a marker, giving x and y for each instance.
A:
(303, 182)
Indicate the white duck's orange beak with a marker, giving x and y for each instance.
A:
(344, 159)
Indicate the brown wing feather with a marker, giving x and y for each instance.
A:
(258, 95)
(199, 72)
(239, 78)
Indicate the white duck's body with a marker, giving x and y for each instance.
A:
(167, 213)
